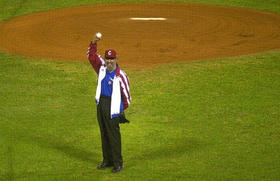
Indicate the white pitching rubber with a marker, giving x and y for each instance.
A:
(148, 19)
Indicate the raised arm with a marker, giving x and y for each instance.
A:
(95, 59)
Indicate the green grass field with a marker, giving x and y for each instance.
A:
(202, 120)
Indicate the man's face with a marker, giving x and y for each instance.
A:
(111, 64)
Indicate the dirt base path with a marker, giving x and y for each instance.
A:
(189, 32)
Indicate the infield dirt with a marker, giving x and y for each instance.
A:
(190, 32)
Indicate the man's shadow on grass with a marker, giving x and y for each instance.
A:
(52, 142)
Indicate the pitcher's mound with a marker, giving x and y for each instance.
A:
(143, 34)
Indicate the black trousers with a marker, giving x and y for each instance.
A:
(110, 133)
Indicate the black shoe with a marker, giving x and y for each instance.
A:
(104, 165)
(117, 169)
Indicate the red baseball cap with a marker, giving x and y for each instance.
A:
(110, 54)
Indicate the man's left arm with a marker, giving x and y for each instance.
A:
(125, 90)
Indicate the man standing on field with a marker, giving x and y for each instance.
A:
(112, 98)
